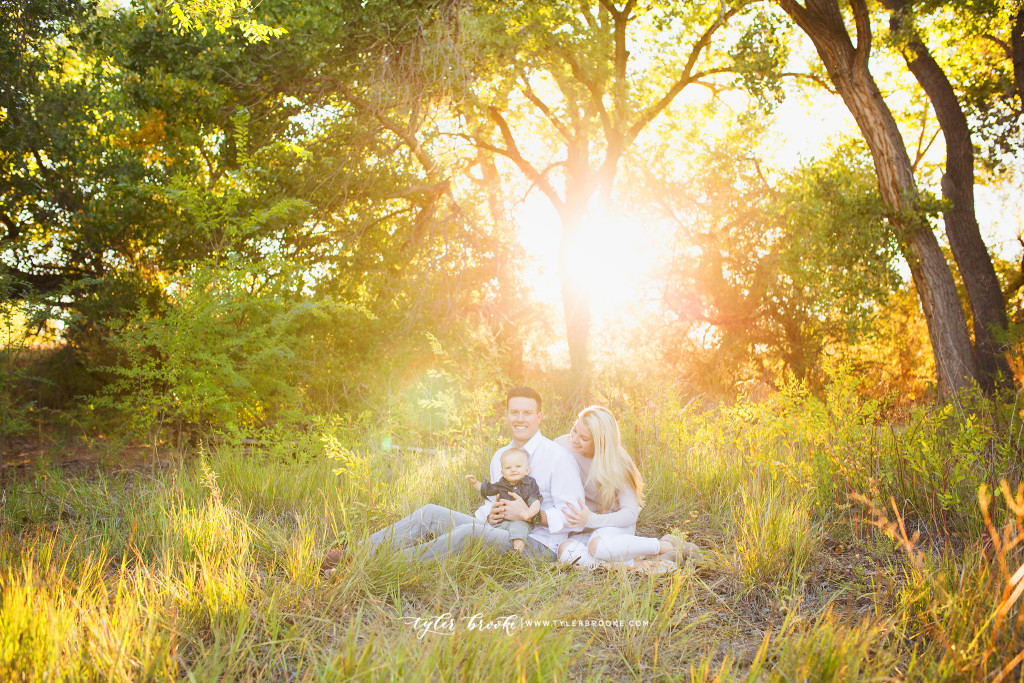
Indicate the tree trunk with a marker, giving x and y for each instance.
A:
(575, 300)
(969, 250)
(504, 324)
(1017, 50)
(847, 67)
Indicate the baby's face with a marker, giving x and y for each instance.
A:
(514, 466)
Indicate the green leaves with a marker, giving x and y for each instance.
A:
(194, 15)
(772, 270)
(232, 350)
(760, 55)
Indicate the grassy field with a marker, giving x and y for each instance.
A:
(206, 568)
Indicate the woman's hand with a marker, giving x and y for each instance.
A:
(576, 516)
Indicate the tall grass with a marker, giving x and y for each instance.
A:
(208, 568)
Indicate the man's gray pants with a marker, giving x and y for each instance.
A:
(433, 531)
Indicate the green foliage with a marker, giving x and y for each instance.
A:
(971, 41)
(458, 395)
(760, 55)
(135, 156)
(769, 277)
(15, 339)
(194, 15)
(832, 445)
(775, 538)
(831, 648)
(232, 350)
(967, 601)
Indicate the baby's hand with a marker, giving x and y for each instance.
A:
(473, 481)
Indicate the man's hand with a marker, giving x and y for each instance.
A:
(516, 510)
(497, 513)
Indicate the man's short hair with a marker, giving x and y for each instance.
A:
(522, 392)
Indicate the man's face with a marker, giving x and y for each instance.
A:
(523, 418)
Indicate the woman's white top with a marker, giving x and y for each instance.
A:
(624, 511)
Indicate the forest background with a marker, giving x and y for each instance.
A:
(782, 241)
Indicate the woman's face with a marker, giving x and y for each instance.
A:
(581, 440)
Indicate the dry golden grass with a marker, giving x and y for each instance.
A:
(207, 569)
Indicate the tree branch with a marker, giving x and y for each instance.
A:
(23, 284)
(596, 93)
(1002, 44)
(585, 13)
(434, 190)
(820, 82)
(1017, 49)
(546, 110)
(13, 229)
(410, 140)
(512, 153)
(620, 19)
(922, 148)
(685, 79)
(795, 10)
(862, 19)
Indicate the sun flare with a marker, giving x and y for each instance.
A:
(612, 258)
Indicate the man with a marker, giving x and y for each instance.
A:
(433, 531)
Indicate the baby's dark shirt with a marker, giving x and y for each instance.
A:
(526, 488)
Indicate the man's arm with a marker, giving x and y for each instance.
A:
(484, 511)
(566, 487)
(492, 512)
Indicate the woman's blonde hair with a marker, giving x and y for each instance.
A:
(613, 468)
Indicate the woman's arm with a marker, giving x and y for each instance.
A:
(625, 516)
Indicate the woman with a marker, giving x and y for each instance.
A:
(614, 494)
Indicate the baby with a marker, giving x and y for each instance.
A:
(515, 470)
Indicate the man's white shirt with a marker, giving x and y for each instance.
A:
(558, 479)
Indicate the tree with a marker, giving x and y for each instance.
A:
(569, 97)
(374, 216)
(847, 65)
(134, 153)
(972, 258)
(195, 15)
(982, 51)
(768, 277)
(79, 221)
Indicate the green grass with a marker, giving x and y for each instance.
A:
(207, 569)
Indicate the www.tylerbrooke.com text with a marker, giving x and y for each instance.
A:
(447, 624)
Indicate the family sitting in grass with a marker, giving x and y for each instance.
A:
(575, 500)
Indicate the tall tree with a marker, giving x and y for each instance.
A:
(847, 65)
(79, 220)
(972, 258)
(575, 85)
(132, 154)
(783, 270)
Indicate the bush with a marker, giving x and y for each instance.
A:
(231, 351)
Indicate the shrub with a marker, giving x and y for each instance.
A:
(231, 351)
